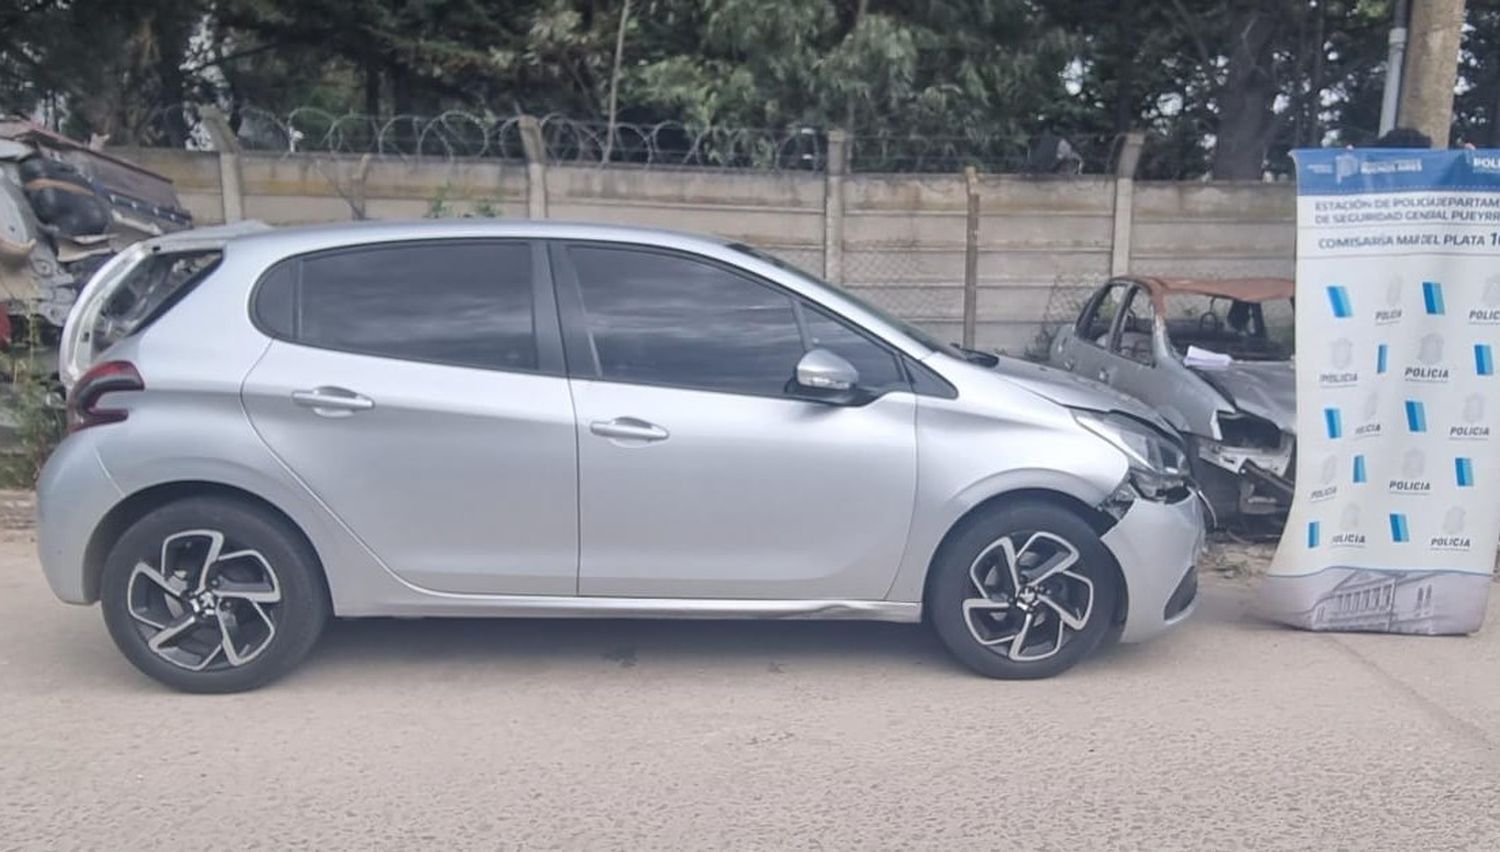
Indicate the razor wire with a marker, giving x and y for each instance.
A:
(459, 133)
(453, 134)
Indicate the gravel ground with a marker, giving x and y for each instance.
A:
(1228, 734)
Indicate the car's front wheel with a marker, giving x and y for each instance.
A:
(213, 595)
(1023, 591)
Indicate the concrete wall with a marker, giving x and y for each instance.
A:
(1043, 242)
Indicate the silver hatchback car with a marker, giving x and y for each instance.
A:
(464, 418)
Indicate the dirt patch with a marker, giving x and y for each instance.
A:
(1236, 559)
(17, 510)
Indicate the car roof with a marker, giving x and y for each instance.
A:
(1240, 289)
(307, 237)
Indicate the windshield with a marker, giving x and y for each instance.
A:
(906, 328)
(1245, 331)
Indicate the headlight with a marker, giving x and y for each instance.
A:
(1158, 467)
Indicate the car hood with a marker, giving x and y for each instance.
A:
(1264, 388)
(1075, 391)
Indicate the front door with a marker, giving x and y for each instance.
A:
(698, 475)
(416, 389)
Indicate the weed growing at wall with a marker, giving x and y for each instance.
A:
(33, 411)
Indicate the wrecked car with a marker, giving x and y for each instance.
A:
(65, 209)
(1214, 358)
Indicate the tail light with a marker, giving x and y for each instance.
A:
(106, 377)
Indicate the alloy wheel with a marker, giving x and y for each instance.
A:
(1027, 601)
(208, 604)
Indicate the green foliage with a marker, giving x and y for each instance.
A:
(1221, 85)
(34, 406)
(441, 206)
(437, 206)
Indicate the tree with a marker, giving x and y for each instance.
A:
(114, 63)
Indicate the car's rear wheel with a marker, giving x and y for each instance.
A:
(1023, 591)
(213, 595)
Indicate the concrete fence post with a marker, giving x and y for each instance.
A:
(971, 257)
(833, 206)
(536, 167)
(1124, 210)
(231, 185)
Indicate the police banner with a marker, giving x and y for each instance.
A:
(1397, 508)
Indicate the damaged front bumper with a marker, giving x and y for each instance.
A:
(1245, 480)
(1156, 545)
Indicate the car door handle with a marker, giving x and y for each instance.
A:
(629, 428)
(1105, 374)
(332, 401)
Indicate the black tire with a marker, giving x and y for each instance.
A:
(137, 607)
(1002, 612)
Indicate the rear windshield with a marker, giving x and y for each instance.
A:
(148, 291)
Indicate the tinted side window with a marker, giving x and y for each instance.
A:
(462, 303)
(664, 319)
(878, 368)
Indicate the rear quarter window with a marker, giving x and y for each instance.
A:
(151, 289)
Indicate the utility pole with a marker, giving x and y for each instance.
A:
(1431, 68)
(1394, 60)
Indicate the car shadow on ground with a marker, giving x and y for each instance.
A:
(625, 643)
(378, 644)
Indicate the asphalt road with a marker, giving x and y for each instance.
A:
(401, 734)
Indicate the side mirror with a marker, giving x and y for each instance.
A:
(823, 376)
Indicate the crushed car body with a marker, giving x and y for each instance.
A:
(65, 209)
(1214, 357)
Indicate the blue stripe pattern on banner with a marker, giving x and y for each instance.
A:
(1432, 297)
(1399, 531)
(1463, 468)
(1416, 416)
(1484, 359)
(1312, 534)
(1334, 422)
(1338, 297)
(1335, 171)
(1382, 357)
(1359, 468)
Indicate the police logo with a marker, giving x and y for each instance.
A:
(1430, 351)
(1473, 408)
(1453, 536)
(1369, 425)
(1341, 354)
(1453, 520)
(1473, 426)
(1349, 518)
(1345, 166)
(1391, 312)
(1488, 311)
(1491, 296)
(1328, 472)
(1430, 354)
(1413, 463)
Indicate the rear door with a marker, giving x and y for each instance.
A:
(699, 476)
(417, 389)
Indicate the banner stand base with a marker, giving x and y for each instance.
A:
(1427, 603)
